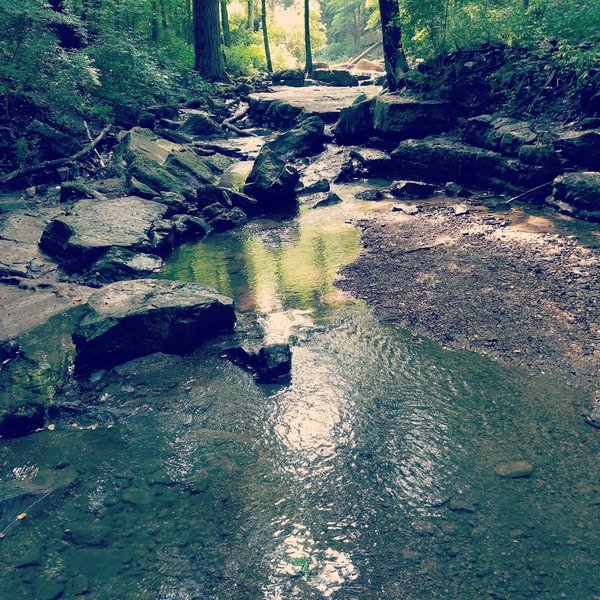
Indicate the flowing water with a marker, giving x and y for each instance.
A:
(370, 476)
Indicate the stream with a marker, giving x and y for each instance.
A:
(371, 475)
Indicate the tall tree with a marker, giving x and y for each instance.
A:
(225, 23)
(266, 36)
(207, 38)
(251, 15)
(395, 59)
(309, 63)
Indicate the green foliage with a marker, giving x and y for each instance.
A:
(25, 150)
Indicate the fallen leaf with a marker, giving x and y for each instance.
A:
(51, 427)
(21, 516)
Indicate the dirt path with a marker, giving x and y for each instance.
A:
(508, 285)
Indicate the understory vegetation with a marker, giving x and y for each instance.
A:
(70, 62)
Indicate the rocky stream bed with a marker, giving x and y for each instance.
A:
(426, 434)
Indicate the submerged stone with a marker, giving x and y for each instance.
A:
(515, 469)
(130, 319)
(327, 199)
(269, 364)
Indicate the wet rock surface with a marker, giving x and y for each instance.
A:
(272, 182)
(305, 139)
(91, 228)
(577, 194)
(129, 319)
(269, 364)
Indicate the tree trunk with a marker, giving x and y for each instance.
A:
(154, 22)
(309, 63)
(163, 15)
(251, 15)
(266, 36)
(225, 23)
(190, 21)
(207, 36)
(395, 60)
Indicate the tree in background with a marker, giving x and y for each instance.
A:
(309, 64)
(207, 38)
(225, 23)
(251, 15)
(395, 60)
(266, 36)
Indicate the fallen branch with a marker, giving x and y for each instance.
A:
(57, 162)
(98, 156)
(535, 189)
(364, 54)
(229, 123)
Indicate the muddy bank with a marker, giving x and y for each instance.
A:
(503, 284)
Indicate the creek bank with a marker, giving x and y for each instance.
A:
(489, 282)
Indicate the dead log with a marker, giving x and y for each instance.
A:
(364, 54)
(229, 123)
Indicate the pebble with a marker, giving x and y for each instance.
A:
(461, 506)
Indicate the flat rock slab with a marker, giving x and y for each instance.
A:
(92, 227)
(401, 116)
(130, 319)
(23, 261)
(325, 102)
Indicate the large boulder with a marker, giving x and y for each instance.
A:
(338, 77)
(186, 166)
(356, 121)
(503, 134)
(365, 64)
(129, 319)
(577, 194)
(581, 147)
(272, 182)
(200, 124)
(52, 143)
(93, 227)
(291, 77)
(441, 159)
(304, 139)
(153, 165)
(401, 117)
(412, 189)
